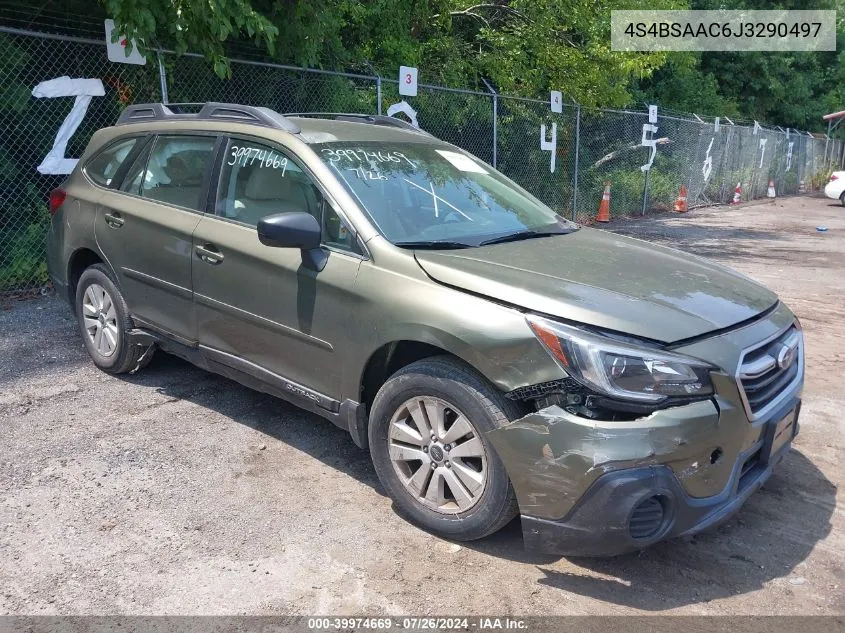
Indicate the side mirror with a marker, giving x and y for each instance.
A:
(290, 230)
(295, 230)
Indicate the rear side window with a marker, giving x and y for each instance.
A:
(103, 167)
(174, 172)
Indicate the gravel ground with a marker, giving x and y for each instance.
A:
(174, 491)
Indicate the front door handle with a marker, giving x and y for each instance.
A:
(209, 255)
(114, 220)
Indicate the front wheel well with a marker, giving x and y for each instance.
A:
(81, 260)
(390, 358)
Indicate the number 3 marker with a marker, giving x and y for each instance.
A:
(408, 81)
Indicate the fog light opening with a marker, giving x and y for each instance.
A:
(648, 517)
(716, 455)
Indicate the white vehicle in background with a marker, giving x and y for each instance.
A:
(835, 188)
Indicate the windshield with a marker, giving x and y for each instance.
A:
(426, 194)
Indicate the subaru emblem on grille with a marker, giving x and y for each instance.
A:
(787, 354)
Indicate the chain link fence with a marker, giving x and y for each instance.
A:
(563, 158)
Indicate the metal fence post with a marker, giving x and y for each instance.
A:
(495, 118)
(827, 140)
(378, 86)
(577, 152)
(162, 76)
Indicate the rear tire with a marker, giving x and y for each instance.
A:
(842, 199)
(104, 323)
(428, 442)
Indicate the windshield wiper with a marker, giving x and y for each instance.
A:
(433, 244)
(524, 235)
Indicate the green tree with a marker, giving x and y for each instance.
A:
(525, 46)
(188, 25)
(787, 88)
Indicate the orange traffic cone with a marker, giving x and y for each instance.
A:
(681, 202)
(771, 192)
(604, 206)
(737, 194)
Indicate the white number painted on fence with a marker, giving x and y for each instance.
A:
(651, 142)
(789, 155)
(708, 162)
(549, 146)
(83, 89)
(762, 150)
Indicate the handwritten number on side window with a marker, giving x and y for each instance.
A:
(244, 156)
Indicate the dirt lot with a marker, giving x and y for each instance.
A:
(175, 491)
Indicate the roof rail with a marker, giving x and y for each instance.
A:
(374, 119)
(211, 111)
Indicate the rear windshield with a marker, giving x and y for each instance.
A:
(415, 192)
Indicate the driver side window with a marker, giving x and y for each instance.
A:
(258, 180)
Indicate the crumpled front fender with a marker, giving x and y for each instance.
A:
(552, 457)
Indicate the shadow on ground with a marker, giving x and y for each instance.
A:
(300, 429)
(790, 515)
(714, 242)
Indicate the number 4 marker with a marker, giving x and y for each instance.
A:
(557, 101)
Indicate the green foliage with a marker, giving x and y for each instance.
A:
(683, 86)
(526, 47)
(187, 25)
(24, 264)
(791, 88)
(540, 44)
(627, 188)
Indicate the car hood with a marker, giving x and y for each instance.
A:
(606, 280)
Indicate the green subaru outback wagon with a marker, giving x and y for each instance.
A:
(495, 359)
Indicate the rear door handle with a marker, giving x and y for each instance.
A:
(114, 220)
(209, 255)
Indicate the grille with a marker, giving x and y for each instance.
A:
(769, 369)
(646, 518)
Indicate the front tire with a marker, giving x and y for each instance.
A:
(104, 323)
(842, 199)
(428, 442)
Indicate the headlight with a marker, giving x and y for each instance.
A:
(622, 370)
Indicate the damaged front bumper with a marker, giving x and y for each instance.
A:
(592, 488)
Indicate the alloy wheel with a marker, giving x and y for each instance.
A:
(100, 320)
(438, 455)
